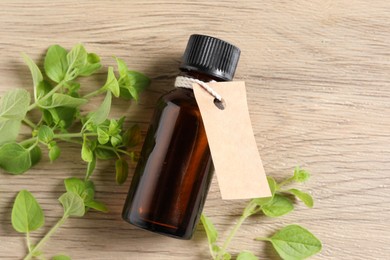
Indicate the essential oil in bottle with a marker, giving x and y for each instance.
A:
(174, 172)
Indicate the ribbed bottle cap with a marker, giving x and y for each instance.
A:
(210, 56)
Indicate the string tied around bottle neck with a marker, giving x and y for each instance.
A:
(186, 82)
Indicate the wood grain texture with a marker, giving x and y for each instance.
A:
(318, 82)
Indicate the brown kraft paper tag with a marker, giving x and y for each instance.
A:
(237, 162)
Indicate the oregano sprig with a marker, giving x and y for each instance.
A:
(58, 97)
(28, 216)
(292, 242)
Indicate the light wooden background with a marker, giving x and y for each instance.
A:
(318, 78)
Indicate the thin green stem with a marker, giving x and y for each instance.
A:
(45, 238)
(54, 90)
(73, 135)
(285, 182)
(28, 141)
(28, 241)
(125, 152)
(29, 123)
(230, 237)
(263, 239)
(94, 93)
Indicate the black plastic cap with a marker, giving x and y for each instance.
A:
(211, 56)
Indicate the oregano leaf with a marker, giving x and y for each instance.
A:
(278, 206)
(9, 131)
(96, 205)
(54, 153)
(295, 243)
(45, 134)
(27, 214)
(101, 114)
(112, 83)
(103, 136)
(35, 73)
(122, 170)
(14, 158)
(211, 231)
(73, 204)
(77, 59)
(14, 104)
(56, 63)
(303, 196)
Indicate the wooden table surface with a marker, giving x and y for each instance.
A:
(318, 80)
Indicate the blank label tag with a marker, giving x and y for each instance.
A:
(237, 162)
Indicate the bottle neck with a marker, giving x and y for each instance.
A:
(200, 76)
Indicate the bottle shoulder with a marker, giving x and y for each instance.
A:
(180, 97)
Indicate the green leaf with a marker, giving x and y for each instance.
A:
(103, 137)
(116, 140)
(45, 134)
(93, 58)
(73, 204)
(122, 170)
(56, 63)
(122, 67)
(101, 114)
(278, 206)
(211, 231)
(14, 158)
(114, 128)
(295, 242)
(61, 116)
(35, 72)
(138, 80)
(75, 185)
(35, 155)
(86, 152)
(27, 214)
(303, 196)
(43, 88)
(132, 84)
(93, 65)
(91, 167)
(96, 205)
(63, 100)
(112, 83)
(104, 154)
(300, 175)
(85, 189)
(9, 131)
(132, 137)
(77, 59)
(61, 257)
(246, 255)
(272, 185)
(54, 153)
(14, 104)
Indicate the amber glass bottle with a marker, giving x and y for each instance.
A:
(172, 177)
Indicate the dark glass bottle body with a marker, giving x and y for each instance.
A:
(174, 172)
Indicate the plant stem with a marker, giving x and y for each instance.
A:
(286, 181)
(35, 104)
(263, 239)
(28, 241)
(29, 123)
(71, 135)
(28, 141)
(45, 238)
(94, 93)
(230, 237)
